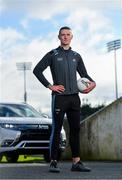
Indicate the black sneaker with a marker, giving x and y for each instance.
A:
(53, 167)
(80, 167)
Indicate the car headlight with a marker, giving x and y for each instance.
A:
(8, 126)
(63, 134)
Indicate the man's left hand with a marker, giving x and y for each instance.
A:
(91, 86)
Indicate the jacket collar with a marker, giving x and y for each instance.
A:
(61, 48)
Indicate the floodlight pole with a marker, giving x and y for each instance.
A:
(23, 67)
(25, 92)
(116, 79)
(113, 46)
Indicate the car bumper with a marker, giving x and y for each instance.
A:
(13, 140)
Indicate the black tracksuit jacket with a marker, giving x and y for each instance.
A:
(64, 64)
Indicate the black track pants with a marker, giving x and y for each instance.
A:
(61, 104)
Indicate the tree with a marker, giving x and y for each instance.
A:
(87, 110)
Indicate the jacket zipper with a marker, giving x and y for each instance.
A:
(66, 56)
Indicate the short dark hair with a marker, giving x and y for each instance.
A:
(64, 27)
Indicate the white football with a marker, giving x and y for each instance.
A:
(82, 84)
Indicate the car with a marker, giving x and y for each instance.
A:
(23, 130)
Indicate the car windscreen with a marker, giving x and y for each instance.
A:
(14, 110)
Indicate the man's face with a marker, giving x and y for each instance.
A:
(65, 36)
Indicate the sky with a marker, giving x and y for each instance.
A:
(29, 29)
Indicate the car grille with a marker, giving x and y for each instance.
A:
(36, 134)
(34, 137)
(37, 144)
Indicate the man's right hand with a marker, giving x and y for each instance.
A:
(57, 88)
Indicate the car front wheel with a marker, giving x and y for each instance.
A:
(47, 156)
(12, 158)
(1, 158)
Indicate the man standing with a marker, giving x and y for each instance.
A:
(64, 63)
